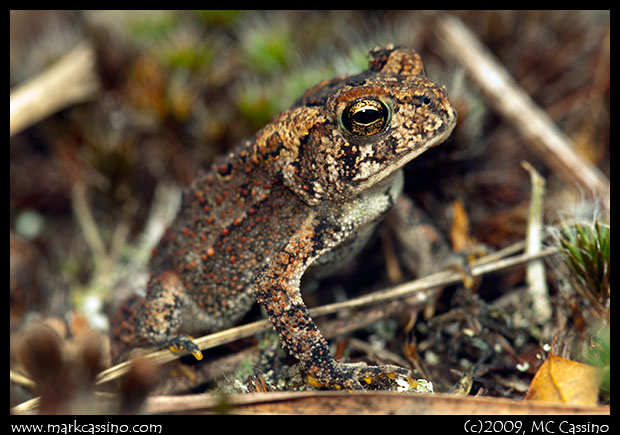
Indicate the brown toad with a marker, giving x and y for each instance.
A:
(306, 191)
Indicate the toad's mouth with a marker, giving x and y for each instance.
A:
(411, 153)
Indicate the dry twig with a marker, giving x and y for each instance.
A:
(69, 81)
(375, 402)
(421, 289)
(544, 138)
(535, 271)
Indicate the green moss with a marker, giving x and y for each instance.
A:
(597, 353)
(260, 101)
(256, 105)
(357, 60)
(218, 17)
(153, 26)
(190, 57)
(267, 49)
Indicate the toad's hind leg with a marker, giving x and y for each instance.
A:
(277, 290)
(157, 319)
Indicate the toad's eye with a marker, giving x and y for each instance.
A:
(365, 117)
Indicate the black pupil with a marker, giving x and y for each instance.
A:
(366, 115)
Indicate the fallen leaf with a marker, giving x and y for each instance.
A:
(459, 231)
(560, 380)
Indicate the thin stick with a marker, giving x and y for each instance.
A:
(544, 138)
(535, 275)
(70, 80)
(421, 288)
(86, 221)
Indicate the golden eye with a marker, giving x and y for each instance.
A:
(365, 117)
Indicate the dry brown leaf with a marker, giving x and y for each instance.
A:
(459, 230)
(560, 380)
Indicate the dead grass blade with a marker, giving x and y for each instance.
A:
(351, 403)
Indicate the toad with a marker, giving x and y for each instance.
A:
(305, 192)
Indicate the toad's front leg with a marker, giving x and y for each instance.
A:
(277, 290)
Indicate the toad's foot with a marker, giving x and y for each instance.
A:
(351, 376)
(179, 343)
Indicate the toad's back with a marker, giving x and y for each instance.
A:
(231, 222)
